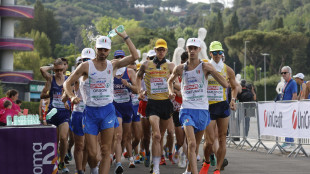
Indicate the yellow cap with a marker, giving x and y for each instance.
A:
(205, 60)
(138, 66)
(161, 43)
(216, 46)
(68, 73)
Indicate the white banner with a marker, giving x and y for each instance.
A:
(290, 119)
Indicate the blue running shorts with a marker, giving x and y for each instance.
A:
(62, 115)
(77, 123)
(197, 118)
(97, 119)
(136, 116)
(124, 111)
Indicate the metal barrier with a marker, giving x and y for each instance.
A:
(239, 127)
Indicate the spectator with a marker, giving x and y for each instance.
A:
(299, 78)
(247, 94)
(289, 92)
(5, 112)
(12, 96)
(18, 103)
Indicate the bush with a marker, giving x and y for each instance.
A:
(271, 84)
(33, 107)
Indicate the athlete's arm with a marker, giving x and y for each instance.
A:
(175, 74)
(209, 69)
(303, 92)
(45, 90)
(44, 71)
(40, 110)
(234, 87)
(133, 87)
(80, 71)
(128, 59)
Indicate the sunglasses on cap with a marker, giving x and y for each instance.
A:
(85, 59)
(284, 72)
(118, 57)
(217, 52)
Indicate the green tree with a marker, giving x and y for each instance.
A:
(43, 21)
(42, 44)
(259, 42)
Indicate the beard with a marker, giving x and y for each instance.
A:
(102, 57)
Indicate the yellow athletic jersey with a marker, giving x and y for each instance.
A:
(216, 92)
(156, 81)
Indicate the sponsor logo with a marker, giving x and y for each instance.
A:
(154, 80)
(191, 87)
(300, 120)
(273, 119)
(43, 155)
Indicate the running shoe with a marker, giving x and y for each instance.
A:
(156, 172)
(66, 160)
(162, 160)
(186, 172)
(142, 155)
(147, 160)
(217, 171)
(182, 161)
(225, 163)
(79, 172)
(132, 163)
(175, 157)
(204, 169)
(137, 159)
(62, 167)
(170, 158)
(118, 169)
(126, 155)
(213, 160)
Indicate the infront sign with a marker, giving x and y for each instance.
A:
(32, 149)
(290, 119)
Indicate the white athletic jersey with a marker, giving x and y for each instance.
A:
(134, 99)
(143, 88)
(194, 89)
(97, 89)
(79, 107)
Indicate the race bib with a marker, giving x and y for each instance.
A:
(134, 99)
(215, 93)
(193, 92)
(99, 90)
(57, 103)
(159, 85)
(121, 95)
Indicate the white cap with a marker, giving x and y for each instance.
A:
(88, 53)
(151, 53)
(299, 75)
(193, 42)
(77, 60)
(103, 42)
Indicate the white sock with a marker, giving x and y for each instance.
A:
(156, 161)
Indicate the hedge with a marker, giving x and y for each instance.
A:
(33, 107)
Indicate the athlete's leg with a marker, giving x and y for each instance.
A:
(137, 133)
(78, 151)
(106, 136)
(127, 138)
(222, 124)
(209, 140)
(118, 140)
(146, 134)
(63, 140)
(170, 135)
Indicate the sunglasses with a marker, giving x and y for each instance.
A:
(151, 58)
(58, 70)
(161, 49)
(284, 72)
(118, 57)
(85, 59)
(217, 52)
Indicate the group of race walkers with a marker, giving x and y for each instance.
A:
(108, 107)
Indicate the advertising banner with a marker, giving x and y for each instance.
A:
(289, 119)
(28, 150)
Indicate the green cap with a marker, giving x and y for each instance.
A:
(216, 46)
